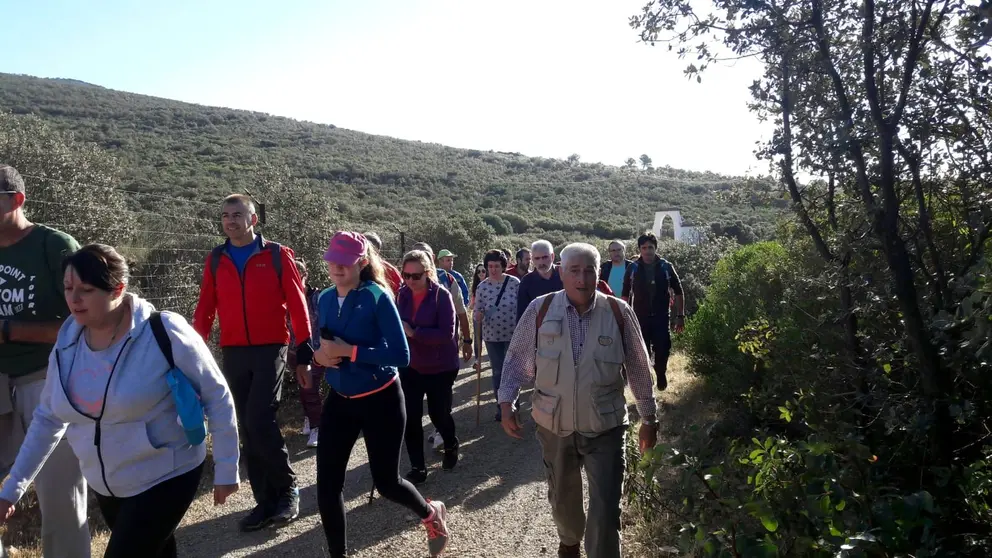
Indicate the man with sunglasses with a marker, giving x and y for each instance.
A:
(543, 280)
(32, 310)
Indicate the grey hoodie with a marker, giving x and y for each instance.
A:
(141, 442)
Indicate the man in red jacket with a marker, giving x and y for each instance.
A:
(250, 283)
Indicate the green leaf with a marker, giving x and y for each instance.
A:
(769, 522)
(887, 368)
(841, 505)
(785, 414)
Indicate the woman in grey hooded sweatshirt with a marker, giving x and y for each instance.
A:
(107, 393)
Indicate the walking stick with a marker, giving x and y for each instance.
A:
(478, 374)
(372, 494)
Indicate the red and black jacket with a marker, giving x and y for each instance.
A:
(252, 306)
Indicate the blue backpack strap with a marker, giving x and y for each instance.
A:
(666, 266)
(187, 400)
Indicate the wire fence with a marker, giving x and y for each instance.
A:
(166, 239)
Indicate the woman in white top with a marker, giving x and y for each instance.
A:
(107, 393)
(496, 313)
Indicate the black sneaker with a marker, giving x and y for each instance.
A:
(288, 507)
(662, 382)
(565, 551)
(257, 519)
(417, 476)
(450, 458)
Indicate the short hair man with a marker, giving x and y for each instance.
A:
(32, 311)
(449, 281)
(646, 287)
(251, 283)
(574, 345)
(446, 261)
(392, 274)
(615, 268)
(543, 280)
(522, 266)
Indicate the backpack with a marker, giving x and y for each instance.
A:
(614, 307)
(218, 251)
(187, 401)
(665, 266)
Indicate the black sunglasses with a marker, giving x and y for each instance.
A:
(414, 276)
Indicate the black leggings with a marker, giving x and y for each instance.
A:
(437, 388)
(145, 524)
(381, 418)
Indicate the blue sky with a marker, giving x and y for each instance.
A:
(542, 77)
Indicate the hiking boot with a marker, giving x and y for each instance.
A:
(565, 551)
(258, 518)
(450, 458)
(288, 507)
(416, 476)
(437, 528)
(312, 441)
(662, 382)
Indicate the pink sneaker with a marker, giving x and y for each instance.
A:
(437, 528)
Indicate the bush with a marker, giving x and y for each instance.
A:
(694, 264)
(500, 226)
(814, 453)
(517, 223)
(469, 237)
(747, 285)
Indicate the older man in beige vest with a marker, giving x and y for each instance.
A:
(580, 347)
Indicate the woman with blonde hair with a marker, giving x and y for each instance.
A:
(362, 344)
(428, 314)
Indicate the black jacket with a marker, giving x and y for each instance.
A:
(635, 287)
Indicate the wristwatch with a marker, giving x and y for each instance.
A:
(650, 422)
(466, 341)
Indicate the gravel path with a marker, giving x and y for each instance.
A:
(496, 499)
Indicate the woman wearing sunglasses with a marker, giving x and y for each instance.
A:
(428, 315)
(478, 277)
(362, 344)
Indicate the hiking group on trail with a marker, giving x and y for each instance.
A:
(98, 387)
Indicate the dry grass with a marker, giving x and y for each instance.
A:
(686, 403)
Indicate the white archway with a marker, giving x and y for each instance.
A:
(675, 215)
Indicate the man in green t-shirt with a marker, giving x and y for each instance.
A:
(32, 309)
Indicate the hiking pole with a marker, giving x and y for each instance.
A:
(372, 494)
(478, 374)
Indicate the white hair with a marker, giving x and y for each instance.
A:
(580, 250)
(620, 242)
(542, 246)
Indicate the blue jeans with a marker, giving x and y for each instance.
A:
(497, 354)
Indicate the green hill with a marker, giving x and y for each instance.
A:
(201, 153)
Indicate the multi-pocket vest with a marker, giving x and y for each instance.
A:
(585, 396)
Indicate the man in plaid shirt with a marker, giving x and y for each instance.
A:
(580, 347)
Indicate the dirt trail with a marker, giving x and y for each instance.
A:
(496, 500)
(496, 497)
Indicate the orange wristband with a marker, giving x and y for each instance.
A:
(354, 352)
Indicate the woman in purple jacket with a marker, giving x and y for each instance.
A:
(428, 315)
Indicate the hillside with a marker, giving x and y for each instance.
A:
(201, 153)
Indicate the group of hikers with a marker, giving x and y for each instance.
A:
(98, 387)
